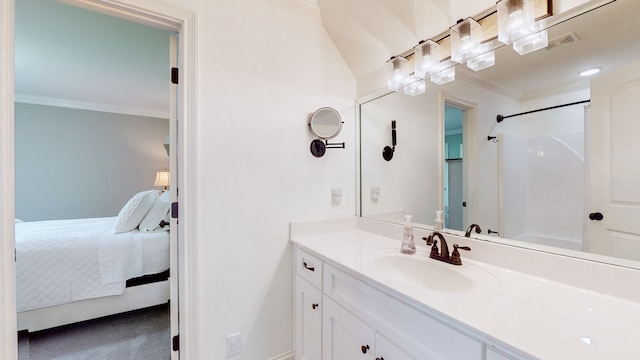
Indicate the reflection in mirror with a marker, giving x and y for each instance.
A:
(536, 183)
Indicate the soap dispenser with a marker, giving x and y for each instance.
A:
(438, 223)
(408, 244)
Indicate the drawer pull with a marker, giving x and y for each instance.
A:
(310, 268)
(314, 306)
(364, 348)
(380, 358)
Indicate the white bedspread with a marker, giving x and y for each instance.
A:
(60, 261)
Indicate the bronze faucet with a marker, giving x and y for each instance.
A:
(470, 229)
(443, 254)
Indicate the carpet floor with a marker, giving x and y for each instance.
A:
(141, 335)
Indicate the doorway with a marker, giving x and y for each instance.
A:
(453, 167)
(157, 15)
(115, 73)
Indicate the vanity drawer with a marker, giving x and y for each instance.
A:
(309, 267)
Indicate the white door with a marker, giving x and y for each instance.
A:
(308, 321)
(344, 336)
(614, 155)
(173, 234)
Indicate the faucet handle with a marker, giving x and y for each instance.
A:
(455, 255)
(434, 244)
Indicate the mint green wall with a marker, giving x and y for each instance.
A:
(453, 142)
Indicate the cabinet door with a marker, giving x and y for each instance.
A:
(345, 337)
(386, 350)
(308, 321)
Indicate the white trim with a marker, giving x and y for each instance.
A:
(149, 12)
(285, 356)
(8, 337)
(86, 105)
(470, 179)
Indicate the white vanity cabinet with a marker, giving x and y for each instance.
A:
(347, 337)
(356, 320)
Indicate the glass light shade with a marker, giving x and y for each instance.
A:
(516, 19)
(444, 76)
(397, 75)
(465, 40)
(415, 86)
(162, 178)
(426, 58)
(482, 61)
(531, 43)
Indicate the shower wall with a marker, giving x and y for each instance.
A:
(542, 172)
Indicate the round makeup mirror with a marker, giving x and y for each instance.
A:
(325, 123)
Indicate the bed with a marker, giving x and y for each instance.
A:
(79, 269)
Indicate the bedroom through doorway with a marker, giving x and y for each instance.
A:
(95, 111)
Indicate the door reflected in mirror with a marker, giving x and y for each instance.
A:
(537, 176)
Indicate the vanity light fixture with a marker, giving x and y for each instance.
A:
(516, 19)
(426, 58)
(444, 76)
(531, 43)
(415, 86)
(397, 75)
(482, 61)
(590, 72)
(465, 40)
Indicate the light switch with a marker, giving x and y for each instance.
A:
(336, 195)
(375, 193)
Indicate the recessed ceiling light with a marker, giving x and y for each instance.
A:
(590, 72)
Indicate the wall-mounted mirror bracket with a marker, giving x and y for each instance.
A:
(325, 123)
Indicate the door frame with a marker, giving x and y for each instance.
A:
(155, 14)
(470, 150)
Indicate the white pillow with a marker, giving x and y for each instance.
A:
(134, 211)
(158, 212)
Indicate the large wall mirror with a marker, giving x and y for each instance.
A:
(535, 179)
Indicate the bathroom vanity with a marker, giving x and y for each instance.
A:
(358, 297)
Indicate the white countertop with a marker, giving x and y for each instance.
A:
(543, 318)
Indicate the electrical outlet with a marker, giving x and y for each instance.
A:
(234, 344)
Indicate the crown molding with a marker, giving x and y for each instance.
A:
(558, 90)
(307, 8)
(86, 105)
(474, 78)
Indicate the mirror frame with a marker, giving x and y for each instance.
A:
(316, 114)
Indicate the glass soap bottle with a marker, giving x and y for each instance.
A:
(408, 244)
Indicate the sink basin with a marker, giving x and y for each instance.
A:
(420, 270)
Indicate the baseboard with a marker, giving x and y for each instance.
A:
(286, 356)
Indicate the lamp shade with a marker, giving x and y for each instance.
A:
(162, 178)
(516, 20)
(397, 74)
(465, 40)
(426, 58)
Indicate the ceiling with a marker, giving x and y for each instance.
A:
(85, 59)
(72, 57)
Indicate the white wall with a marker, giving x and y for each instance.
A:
(409, 182)
(262, 69)
(77, 164)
